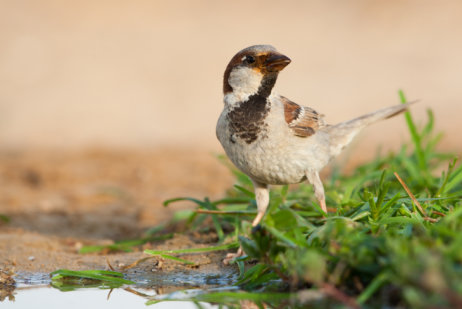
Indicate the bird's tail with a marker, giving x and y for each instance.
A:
(343, 133)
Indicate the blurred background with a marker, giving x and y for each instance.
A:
(108, 108)
(147, 74)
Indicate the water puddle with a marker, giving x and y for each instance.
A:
(156, 291)
(169, 290)
(179, 289)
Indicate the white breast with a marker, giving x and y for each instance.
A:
(280, 157)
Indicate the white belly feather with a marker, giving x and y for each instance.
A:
(275, 158)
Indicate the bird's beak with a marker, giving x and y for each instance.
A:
(276, 62)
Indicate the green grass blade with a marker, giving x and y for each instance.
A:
(284, 238)
(181, 199)
(194, 250)
(218, 228)
(372, 288)
(245, 191)
(416, 138)
(102, 275)
(176, 259)
(454, 180)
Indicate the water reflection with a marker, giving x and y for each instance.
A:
(159, 291)
(47, 297)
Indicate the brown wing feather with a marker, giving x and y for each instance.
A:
(303, 121)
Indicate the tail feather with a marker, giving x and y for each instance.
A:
(343, 133)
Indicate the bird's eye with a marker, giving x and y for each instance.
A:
(249, 59)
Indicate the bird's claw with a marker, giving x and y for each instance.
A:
(232, 256)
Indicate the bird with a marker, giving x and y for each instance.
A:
(273, 140)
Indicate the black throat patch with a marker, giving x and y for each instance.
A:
(247, 121)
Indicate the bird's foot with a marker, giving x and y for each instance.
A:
(232, 256)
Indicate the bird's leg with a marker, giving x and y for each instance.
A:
(262, 199)
(313, 178)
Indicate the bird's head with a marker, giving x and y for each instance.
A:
(253, 70)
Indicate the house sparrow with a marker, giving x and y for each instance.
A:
(272, 139)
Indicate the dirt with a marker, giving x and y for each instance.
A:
(56, 202)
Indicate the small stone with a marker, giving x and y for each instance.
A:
(31, 258)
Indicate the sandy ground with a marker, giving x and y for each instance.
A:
(57, 202)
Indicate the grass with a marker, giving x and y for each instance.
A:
(69, 280)
(167, 253)
(393, 236)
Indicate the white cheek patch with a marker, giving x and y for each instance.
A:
(245, 82)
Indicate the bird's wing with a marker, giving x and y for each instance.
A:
(303, 121)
